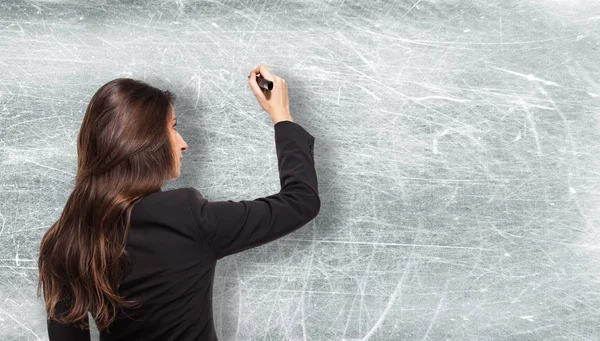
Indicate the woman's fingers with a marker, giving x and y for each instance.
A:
(264, 71)
(255, 88)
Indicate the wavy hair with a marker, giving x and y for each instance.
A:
(125, 152)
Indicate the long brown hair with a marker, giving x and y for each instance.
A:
(124, 153)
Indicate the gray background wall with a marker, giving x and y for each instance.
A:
(457, 148)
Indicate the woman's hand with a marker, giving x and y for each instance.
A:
(274, 102)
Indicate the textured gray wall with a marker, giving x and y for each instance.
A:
(457, 148)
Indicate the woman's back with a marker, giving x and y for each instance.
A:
(172, 271)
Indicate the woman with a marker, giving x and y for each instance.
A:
(142, 260)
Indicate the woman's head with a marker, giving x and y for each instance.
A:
(127, 147)
(128, 131)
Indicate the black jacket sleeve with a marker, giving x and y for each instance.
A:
(59, 331)
(233, 226)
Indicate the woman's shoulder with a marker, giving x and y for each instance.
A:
(169, 194)
(160, 201)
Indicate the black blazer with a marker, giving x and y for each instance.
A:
(177, 236)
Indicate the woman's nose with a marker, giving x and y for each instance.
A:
(182, 144)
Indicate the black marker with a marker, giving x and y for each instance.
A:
(263, 83)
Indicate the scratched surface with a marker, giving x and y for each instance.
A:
(457, 148)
